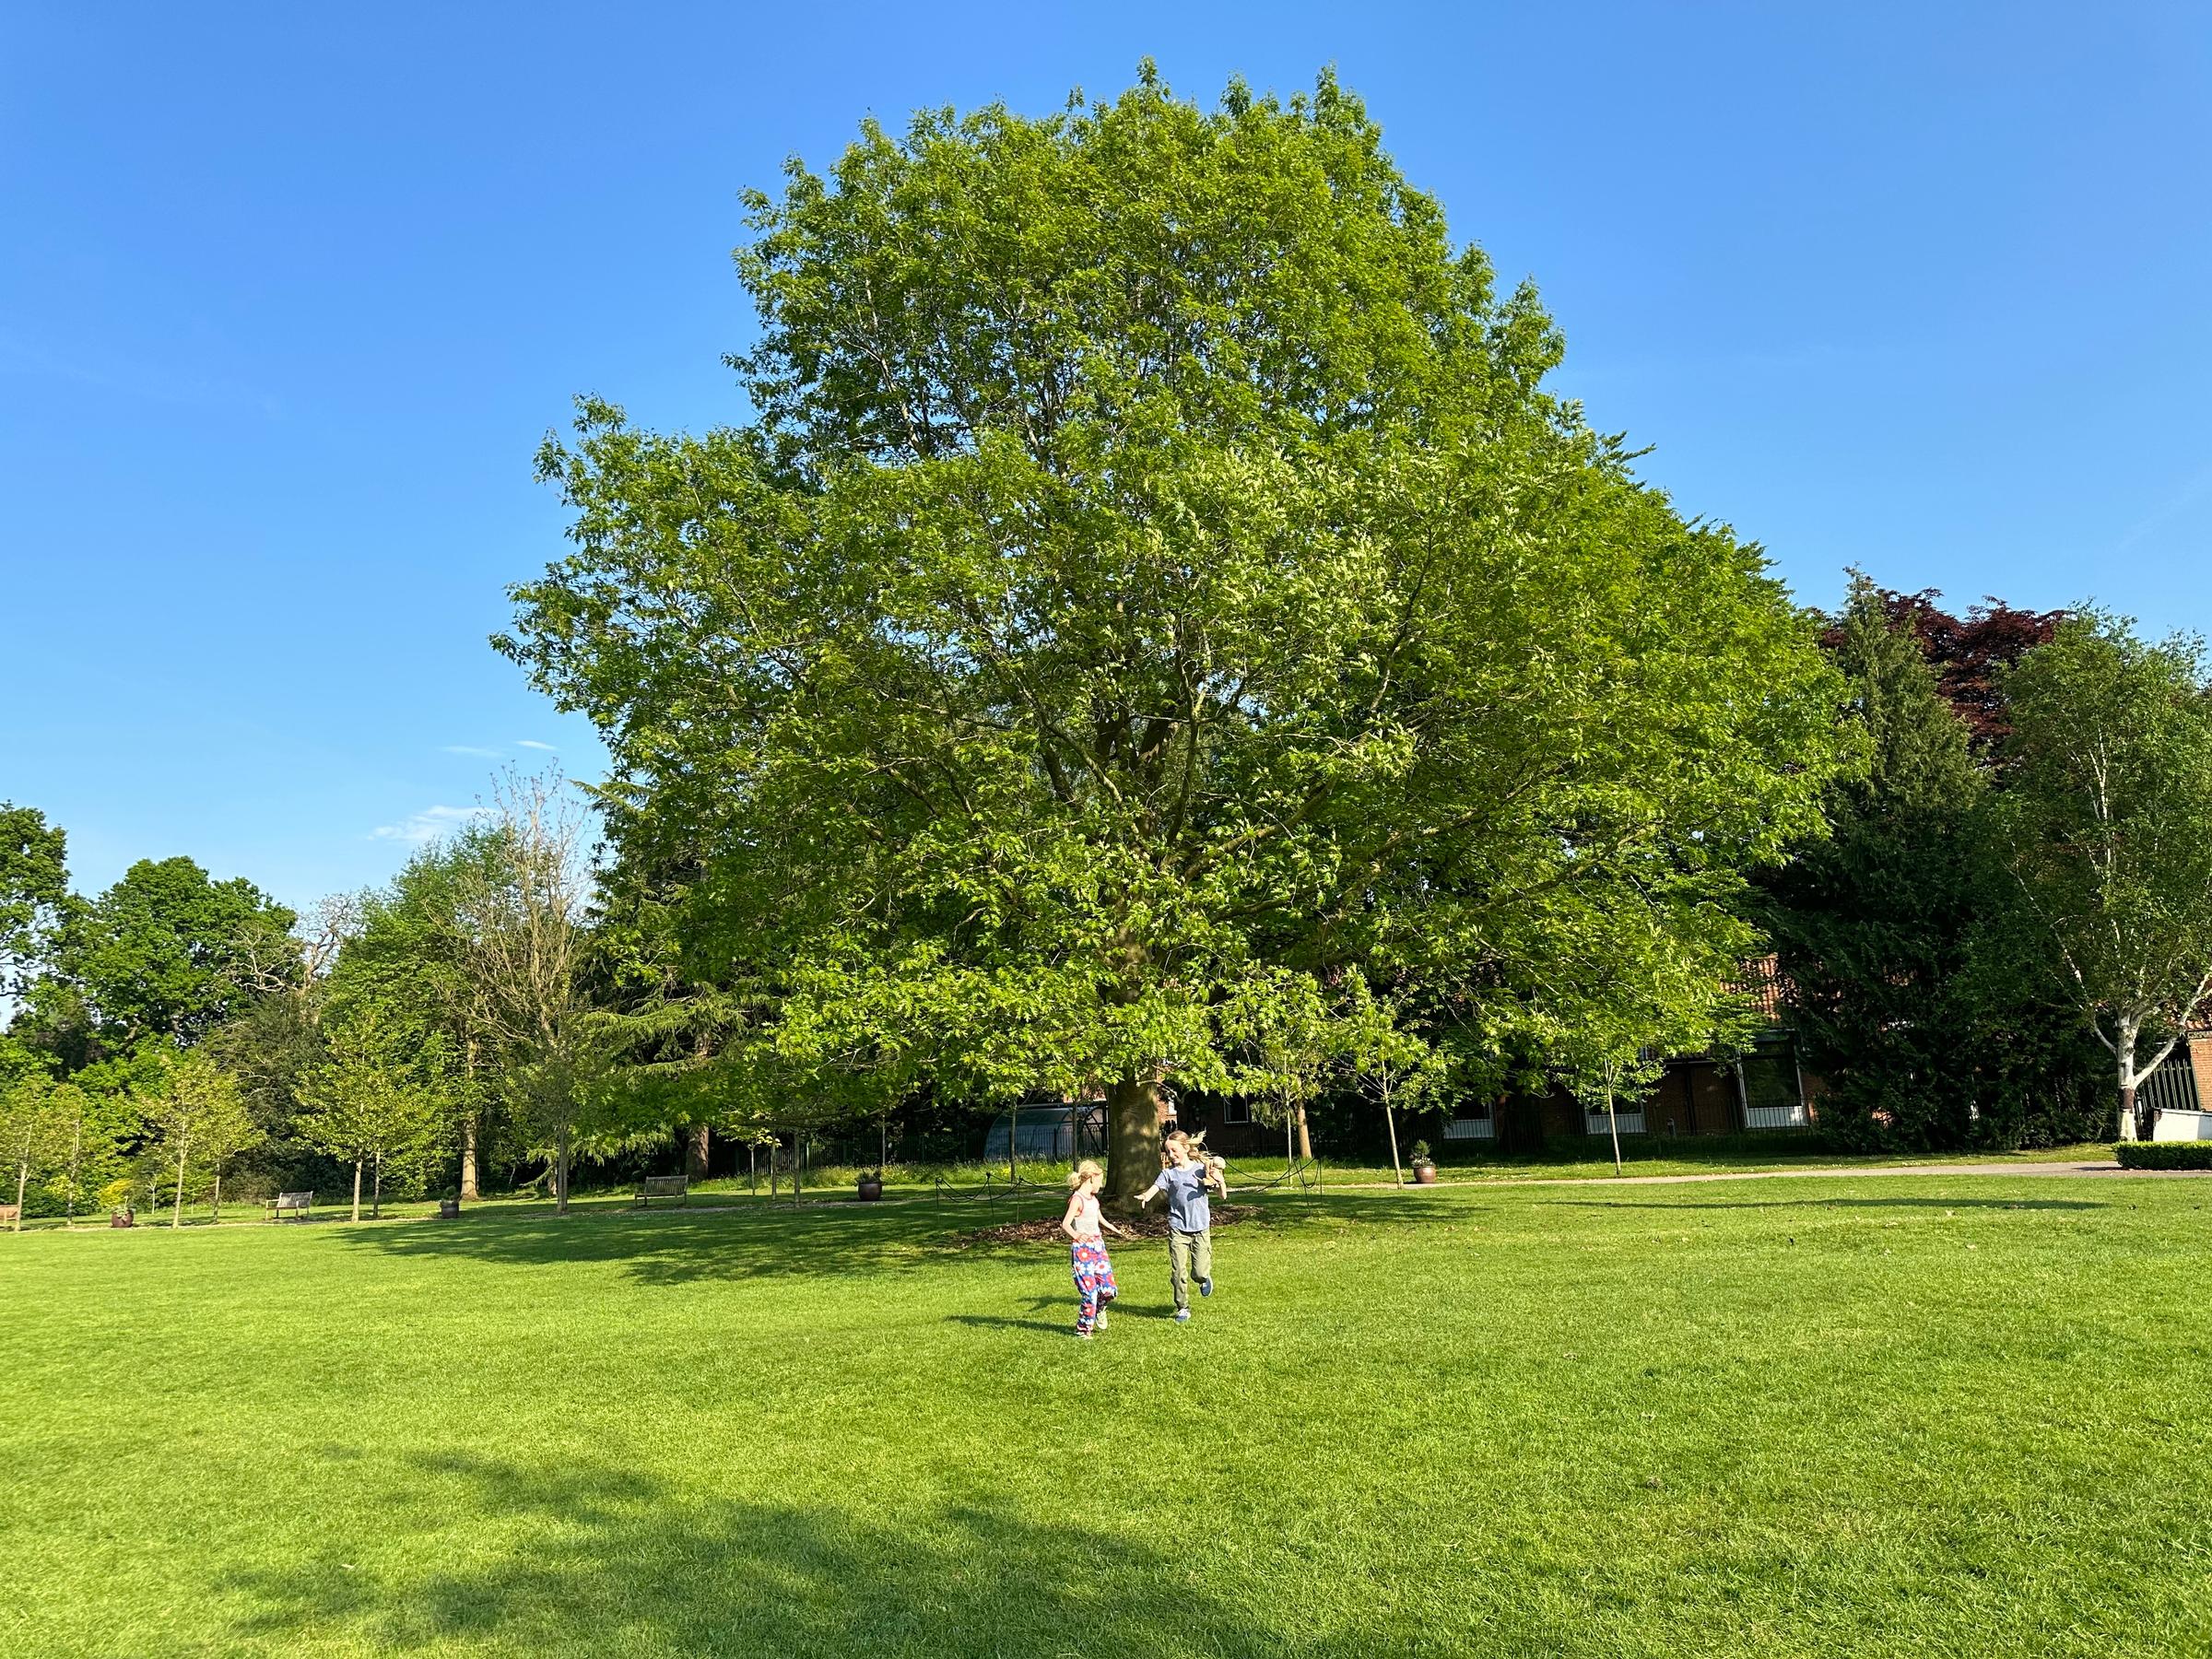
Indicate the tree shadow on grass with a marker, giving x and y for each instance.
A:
(674, 1247)
(763, 1240)
(602, 1561)
(1941, 1204)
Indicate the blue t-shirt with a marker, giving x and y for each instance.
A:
(1188, 1210)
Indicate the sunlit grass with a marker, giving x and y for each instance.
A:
(1905, 1415)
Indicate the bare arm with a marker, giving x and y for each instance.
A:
(1067, 1221)
(1146, 1196)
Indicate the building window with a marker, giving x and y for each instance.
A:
(1602, 1123)
(1237, 1111)
(1771, 1093)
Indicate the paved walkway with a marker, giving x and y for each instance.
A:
(1837, 1171)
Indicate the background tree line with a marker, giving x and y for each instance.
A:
(1155, 629)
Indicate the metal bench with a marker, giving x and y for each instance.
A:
(663, 1186)
(304, 1203)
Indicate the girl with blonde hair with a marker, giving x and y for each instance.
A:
(1086, 1247)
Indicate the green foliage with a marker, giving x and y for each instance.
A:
(1157, 582)
(2163, 1155)
(2110, 794)
(34, 890)
(375, 1101)
(166, 953)
(1917, 991)
(199, 1122)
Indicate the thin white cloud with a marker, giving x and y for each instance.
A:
(421, 829)
(469, 748)
(532, 742)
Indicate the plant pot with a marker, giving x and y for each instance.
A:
(121, 1218)
(449, 1210)
(870, 1190)
(1424, 1174)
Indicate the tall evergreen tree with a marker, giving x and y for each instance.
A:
(1916, 995)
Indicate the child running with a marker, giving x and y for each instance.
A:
(1190, 1218)
(1087, 1248)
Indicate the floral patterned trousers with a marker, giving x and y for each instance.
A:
(1094, 1281)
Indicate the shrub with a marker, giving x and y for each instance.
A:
(2163, 1155)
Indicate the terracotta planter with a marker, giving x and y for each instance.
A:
(870, 1190)
(1424, 1174)
(121, 1218)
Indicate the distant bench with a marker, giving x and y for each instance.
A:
(304, 1203)
(9, 1215)
(663, 1186)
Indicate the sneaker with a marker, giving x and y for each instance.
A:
(1102, 1325)
(1183, 1315)
(1205, 1287)
(1082, 1335)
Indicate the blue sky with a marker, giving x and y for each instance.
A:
(288, 295)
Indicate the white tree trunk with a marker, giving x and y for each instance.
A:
(357, 1189)
(2123, 1053)
(176, 1219)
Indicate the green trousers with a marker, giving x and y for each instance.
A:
(1190, 1255)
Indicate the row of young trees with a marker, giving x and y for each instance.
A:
(172, 1025)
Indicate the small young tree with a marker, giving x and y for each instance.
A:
(523, 912)
(195, 1107)
(96, 1127)
(367, 1102)
(31, 1132)
(1394, 1065)
(2108, 803)
(227, 1129)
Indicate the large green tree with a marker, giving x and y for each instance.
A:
(1154, 572)
(166, 954)
(34, 890)
(2108, 806)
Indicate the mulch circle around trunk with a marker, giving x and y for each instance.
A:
(1153, 1225)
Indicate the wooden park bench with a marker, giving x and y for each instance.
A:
(663, 1186)
(302, 1202)
(9, 1215)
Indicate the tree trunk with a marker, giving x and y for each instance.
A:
(357, 1189)
(1305, 1141)
(22, 1181)
(76, 1157)
(696, 1146)
(1390, 1122)
(1132, 1140)
(468, 1155)
(215, 1210)
(560, 1170)
(2123, 1053)
(1613, 1123)
(376, 1189)
(176, 1219)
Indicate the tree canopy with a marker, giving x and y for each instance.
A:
(2107, 808)
(1155, 567)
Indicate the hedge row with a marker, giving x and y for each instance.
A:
(2164, 1154)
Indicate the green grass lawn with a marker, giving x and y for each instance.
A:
(1909, 1416)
